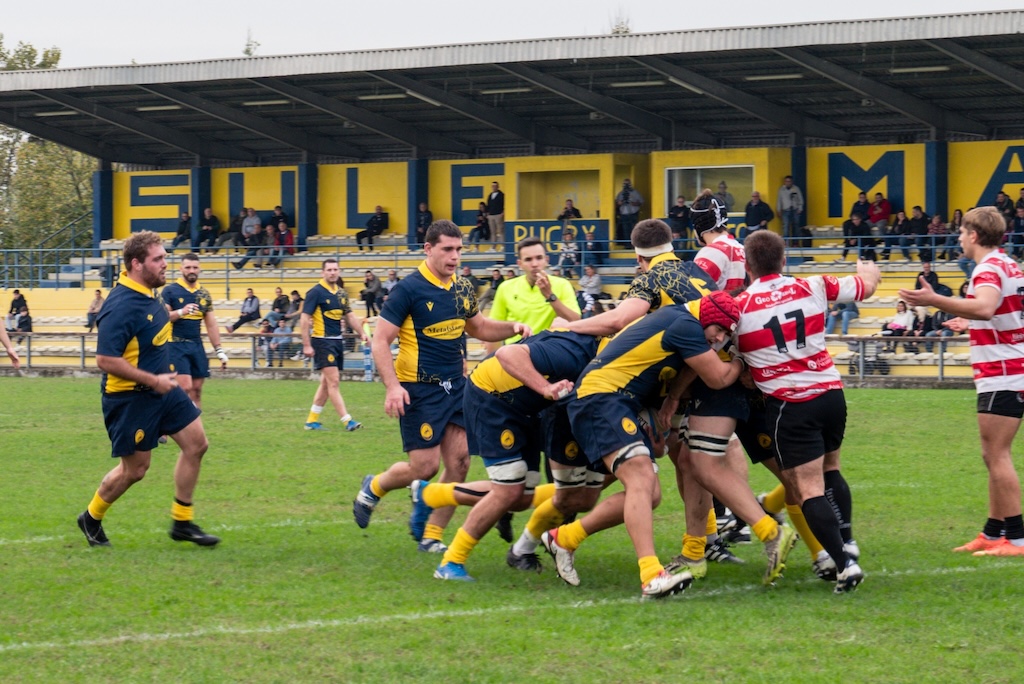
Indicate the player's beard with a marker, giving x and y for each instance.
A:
(154, 279)
(191, 278)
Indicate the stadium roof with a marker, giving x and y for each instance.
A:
(884, 81)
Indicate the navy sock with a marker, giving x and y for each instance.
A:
(993, 528)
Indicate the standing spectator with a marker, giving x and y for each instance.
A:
(184, 233)
(93, 311)
(679, 222)
(283, 244)
(279, 307)
(493, 284)
(17, 302)
(371, 290)
(569, 213)
(861, 206)
(725, 197)
(250, 311)
(879, 213)
(592, 250)
(388, 285)
(789, 204)
(482, 231)
(919, 232)
(234, 232)
(424, 217)
(568, 253)
(1005, 206)
(841, 311)
(209, 229)
(375, 225)
(757, 215)
(496, 214)
(627, 211)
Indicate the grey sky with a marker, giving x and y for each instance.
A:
(107, 32)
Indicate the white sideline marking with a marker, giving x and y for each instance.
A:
(145, 637)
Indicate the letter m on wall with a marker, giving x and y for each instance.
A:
(890, 165)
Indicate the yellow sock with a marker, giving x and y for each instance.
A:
(650, 567)
(796, 516)
(572, 535)
(439, 494)
(544, 517)
(766, 528)
(460, 548)
(376, 488)
(314, 414)
(181, 512)
(693, 547)
(432, 532)
(712, 526)
(542, 493)
(98, 507)
(775, 500)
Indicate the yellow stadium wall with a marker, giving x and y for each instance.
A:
(978, 170)
(150, 200)
(384, 184)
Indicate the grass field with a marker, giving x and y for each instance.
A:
(296, 592)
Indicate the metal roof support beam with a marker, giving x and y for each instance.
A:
(77, 142)
(285, 135)
(166, 135)
(396, 130)
(784, 118)
(937, 118)
(982, 62)
(504, 121)
(665, 130)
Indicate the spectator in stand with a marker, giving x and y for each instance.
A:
(283, 244)
(250, 311)
(94, 309)
(265, 332)
(901, 325)
(922, 326)
(482, 231)
(1005, 206)
(1015, 235)
(252, 237)
(789, 205)
(371, 290)
(467, 273)
(282, 343)
(679, 222)
(878, 215)
(569, 213)
(857, 235)
(23, 323)
(209, 229)
(939, 237)
(184, 233)
(627, 211)
(17, 302)
(955, 226)
(294, 308)
(841, 311)
(862, 207)
(424, 217)
(234, 232)
(725, 197)
(757, 215)
(388, 285)
(939, 329)
(592, 250)
(919, 232)
(590, 282)
(932, 278)
(279, 216)
(493, 284)
(496, 214)
(279, 307)
(375, 225)
(1020, 200)
(568, 255)
(898, 234)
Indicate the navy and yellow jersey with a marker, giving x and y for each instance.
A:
(642, 360)
(431, 318)
(670, 281)
(134, 325)
(556, 354)
(326, 305)
(178, 294)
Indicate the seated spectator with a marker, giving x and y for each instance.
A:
(184, 233)
(482, 231)
(93, 311)
(282, 345)
(569, 213)
(17, 302)
(901, 325)
(898, 234)
(932, 278)
(568, 253)
(494, 283)
(23, 323)
(265, 332)
(253, 237)
(679, 223)
(857, 235)
(294, 309)
(878, 214)
(375, 225)
(371, 290)
(922, 326)
(467, 274)
(283, 244)
(250, 311)
(590, 281)
(592, 250)
(1015, 234)
(587, 303)
(233, 235)
(939, 329)
(388, 285)
(919, 231)
(209, 229)
(279, 307)
(841, 311)
(279, 216)
(939, 238)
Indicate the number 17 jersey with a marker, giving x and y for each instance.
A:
(781, 333)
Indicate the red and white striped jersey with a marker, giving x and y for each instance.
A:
(724, 260)
(781, 333)
(997, 345)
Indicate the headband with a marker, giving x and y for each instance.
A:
(653, 251)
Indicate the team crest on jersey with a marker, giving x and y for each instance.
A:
(181, 300)
(149, 317)
(430, 306)
(139, 436)
(629, 426)
(426, 432)
(764, 440)
(508, 440)
(572, 450)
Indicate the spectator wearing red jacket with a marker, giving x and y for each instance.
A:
(283, 244)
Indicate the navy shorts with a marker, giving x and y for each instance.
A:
(327, 353)
(754, 432)
(431, 408)
(803, 431)
(189, 358)
(730, 402)
(135, 420)
(605, 423)
(500, 433)
(562, 447)
(1005, 403)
